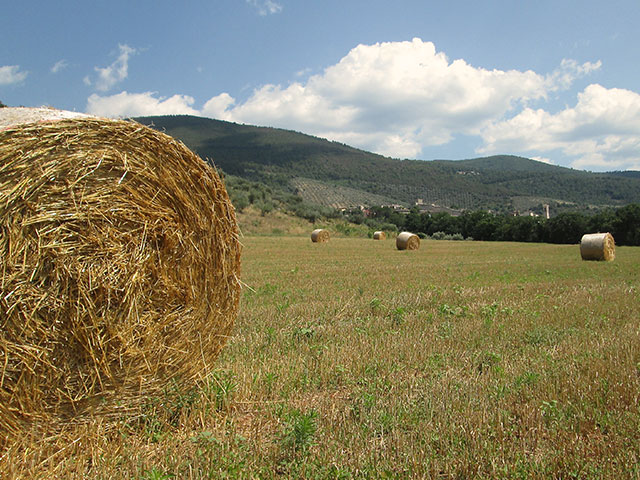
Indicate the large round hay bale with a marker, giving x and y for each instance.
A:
(119, 268)
(407, 241)
(320, 235)
(597, 246)
(379, 235)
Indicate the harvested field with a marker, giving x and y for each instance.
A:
(461, 360)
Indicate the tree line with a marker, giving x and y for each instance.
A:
(623, 223)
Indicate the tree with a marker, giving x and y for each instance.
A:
(567, 228)
(626, 226)
(413, 221)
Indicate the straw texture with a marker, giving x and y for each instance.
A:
(598, 246)
(379, 235)
(120, 262)
(407, 241)
(320, 235)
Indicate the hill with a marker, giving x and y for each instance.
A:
(337, 175)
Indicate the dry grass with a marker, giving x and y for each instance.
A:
(461, 360)
(254, 222)
(120, 264)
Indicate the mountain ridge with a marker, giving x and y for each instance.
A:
(286, 159)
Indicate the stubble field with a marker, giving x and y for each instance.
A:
(354, 360)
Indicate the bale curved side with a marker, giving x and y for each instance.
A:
(407, 241)
(598, 246)
(319, 235)
(379, 235)
(120, 262)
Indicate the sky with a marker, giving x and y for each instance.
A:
(553, 80)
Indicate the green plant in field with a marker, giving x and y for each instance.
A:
(159, 413)
(385, 423)
(527, 378)
(453, 311)
(299, 431)
(445, 329)
(267, 289)
(204, 438)
(436, 361)
(375, 303)
(550, 411)
(488, 361)
(219, 389)
(156, 474)
(269, 379)
(541, 335)
(397, 316)
(488, 313)
(303, 333)
(282, 306)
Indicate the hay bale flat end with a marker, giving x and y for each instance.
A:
(320, 235)
(407, 241)
(120, 264)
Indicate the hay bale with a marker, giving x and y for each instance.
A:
(597, 246)
(379, 235)
(320, 235)
(407, 241)
(119, 260)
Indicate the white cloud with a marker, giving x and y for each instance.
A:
(10, 74)
(602, 131)
(396, 98)
(543, 160)
(59, 65)
(139, 104)
(217, 107)
(265, 7)
(109, 76)
(569, 71)
(303, 73)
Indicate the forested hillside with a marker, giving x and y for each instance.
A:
(294, 162)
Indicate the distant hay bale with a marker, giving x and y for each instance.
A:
(379, 235)
(320, 235)
(119, 268)
(597, 246)
(407, 241)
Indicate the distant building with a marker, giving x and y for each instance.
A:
(433, 208)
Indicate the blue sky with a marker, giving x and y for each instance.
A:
(557, 81)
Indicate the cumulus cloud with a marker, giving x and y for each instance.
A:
(216, 107)
(139, 104)
(107, 77)
(265, 7)
(10, 74)
(601, 131)
(59, 65)
(397, 97)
